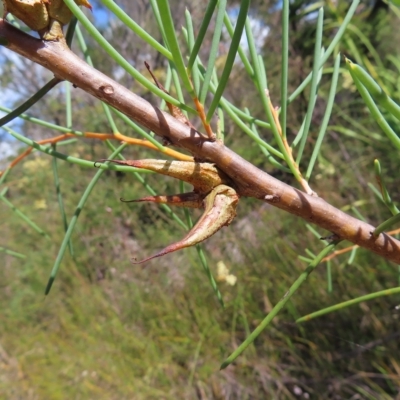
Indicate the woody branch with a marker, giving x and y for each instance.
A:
(248, 179)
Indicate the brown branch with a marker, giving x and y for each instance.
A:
(249, 180)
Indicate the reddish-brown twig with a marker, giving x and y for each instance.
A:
(350, 248)
(103, 136)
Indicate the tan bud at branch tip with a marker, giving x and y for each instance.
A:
(47, 17)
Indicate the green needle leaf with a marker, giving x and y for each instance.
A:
(284, 65)
(131, 24)
(336, 307)
(385, 194)
(314, 84)
(213, 50)
(92, 30)
(241, 52)
(60, 201)
(21, 214)
(325, 121)
(12, 253)
(233, 49)
(202, 32)
(384, 226)
(278, 307)
(193, 69)
(71, 31)
(376, 114)
(30, 102)
(330, 49)
(374, 89)
(44, 123)
(74, 220)
(173, 45)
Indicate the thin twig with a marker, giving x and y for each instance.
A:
(350, 248)
(302, 181)
(102, 136)
(203, 118)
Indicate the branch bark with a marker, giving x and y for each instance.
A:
(248, 180)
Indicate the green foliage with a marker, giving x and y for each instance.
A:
(111, 330)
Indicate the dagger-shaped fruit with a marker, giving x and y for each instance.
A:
(203, 176)
(220, 209)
